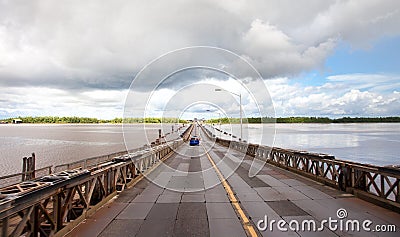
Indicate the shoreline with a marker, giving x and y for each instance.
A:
(225, 120)
(371, 122)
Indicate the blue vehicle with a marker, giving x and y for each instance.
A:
(194, 141)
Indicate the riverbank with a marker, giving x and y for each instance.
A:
(151, 120)
(87, 120)
(308, 120)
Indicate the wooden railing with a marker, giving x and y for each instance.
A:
(376, 184)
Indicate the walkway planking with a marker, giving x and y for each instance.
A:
(194, 203)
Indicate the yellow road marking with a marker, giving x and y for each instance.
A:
(249, 228)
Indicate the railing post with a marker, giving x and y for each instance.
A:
(317, 168)
(28, 168)
(24, 165)
(33, 166)
(362, 184)
(57, 215)
(349, 176)
(35, 223)
(382, 194)
(344, 177)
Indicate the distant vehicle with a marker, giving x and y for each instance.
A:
(194, 141)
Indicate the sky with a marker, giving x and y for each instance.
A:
(328, 58)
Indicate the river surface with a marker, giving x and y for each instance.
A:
(372, 143)
(63, 143)
(56, 144)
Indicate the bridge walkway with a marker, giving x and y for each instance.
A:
(184, 197)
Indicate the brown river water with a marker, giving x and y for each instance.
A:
(63, 143)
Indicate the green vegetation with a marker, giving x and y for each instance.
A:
(368, 120)
(149, 120)
(55, 119)
(309, 120)
(305, 120)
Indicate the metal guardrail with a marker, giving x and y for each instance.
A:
(93, 161)
(376, 184)
(45, 206)
(84, 163)
(16, 178)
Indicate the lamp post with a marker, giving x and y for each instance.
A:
(219, 118)
(240, 105)
(220, 130)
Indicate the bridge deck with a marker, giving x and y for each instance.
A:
(195, 209)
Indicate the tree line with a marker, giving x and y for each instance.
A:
(309, 120)
(56, 119)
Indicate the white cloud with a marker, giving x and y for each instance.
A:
(103, 44)
(83, 53)
(42, 101)
(273, 52)
(373, 82)
(342, 95)
(357, 22)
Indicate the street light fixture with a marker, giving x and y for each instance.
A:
(240, 105)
